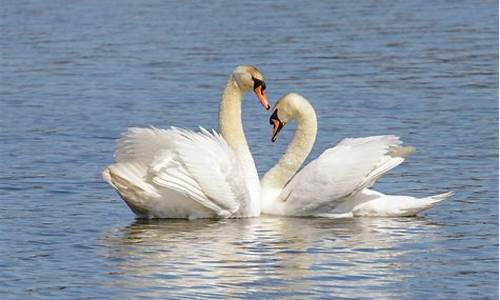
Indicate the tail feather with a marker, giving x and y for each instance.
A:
(128, 181)
(428, 202)
(370, 203)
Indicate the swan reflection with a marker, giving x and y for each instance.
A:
(268, 256)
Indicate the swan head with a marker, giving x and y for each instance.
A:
(287, 108)
(250, 78)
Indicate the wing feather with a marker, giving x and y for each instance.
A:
(341, 171)
(204, 165)
(142, 144)
(199, 165)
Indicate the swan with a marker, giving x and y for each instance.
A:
(179, 173)
(336, 184)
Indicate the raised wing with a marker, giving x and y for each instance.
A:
(341, 171)
(143, 144)
(204, 168)
(199, 165)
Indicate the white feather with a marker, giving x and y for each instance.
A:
(183, 174)
(336, 183)
(340, 172)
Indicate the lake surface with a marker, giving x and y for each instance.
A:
(76, 74)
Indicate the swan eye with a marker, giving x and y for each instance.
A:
(257, 83)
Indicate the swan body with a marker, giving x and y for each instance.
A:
(179, 173)
(337, 183)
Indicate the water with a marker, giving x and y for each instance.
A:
(76, 74)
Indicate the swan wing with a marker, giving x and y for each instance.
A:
(342, 171)
(202, 166)
(142, 144)
(196, 166)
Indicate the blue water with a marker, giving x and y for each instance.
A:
(76, 74)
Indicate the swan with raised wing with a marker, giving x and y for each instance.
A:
(179, 173)
(336, 184)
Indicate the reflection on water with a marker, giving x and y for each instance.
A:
(295, 256)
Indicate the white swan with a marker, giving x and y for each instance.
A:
(178, 173)
(336, 183)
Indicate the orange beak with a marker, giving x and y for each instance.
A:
(261, 95)
(277, 125)
(276, 130)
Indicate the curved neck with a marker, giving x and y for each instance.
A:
(230, 125)
(231, 128)
(296, 153)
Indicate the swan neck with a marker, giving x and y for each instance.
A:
(296, 153)
(230, 125)
(231, 128)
